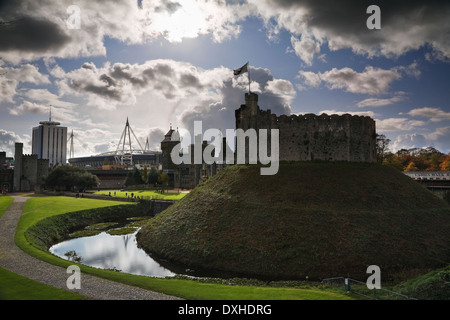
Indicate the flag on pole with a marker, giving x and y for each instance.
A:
(241, 70)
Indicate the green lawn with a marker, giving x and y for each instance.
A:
(16, 287)
(146, 194)
(40, 208)
(5, 201)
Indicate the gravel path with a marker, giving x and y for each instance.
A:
(14, 259)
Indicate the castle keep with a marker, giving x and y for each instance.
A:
(311, 137)
(306, 137)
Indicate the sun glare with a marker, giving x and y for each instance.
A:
(186, 22)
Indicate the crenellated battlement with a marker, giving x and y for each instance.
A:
(307, 137)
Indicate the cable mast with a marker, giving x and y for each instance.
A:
(71, 148)
(124, 152)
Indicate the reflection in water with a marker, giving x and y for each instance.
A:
(112, 252)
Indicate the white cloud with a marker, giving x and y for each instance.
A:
(408, 141)
(381, 102)
(12, 77)
(441, 135)
(305, 48)
(310, 78)
(371, 80)
(8, 140)
(29, 107)
(398, 124)
(355, 113)
(438, 139)
(435, 114)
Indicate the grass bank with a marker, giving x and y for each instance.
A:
(46, 216)
(311, 219)
(16, 287)
(434, 285)
(145, 194)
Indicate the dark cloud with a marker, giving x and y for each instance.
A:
(31, 34)
(405, 26)
(104, 90)
(189, 80)
(221, 115)
(155, 136)
(168, 6)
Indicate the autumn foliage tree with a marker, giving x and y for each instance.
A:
(417, 159)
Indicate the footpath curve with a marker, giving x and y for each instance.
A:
(15, 260)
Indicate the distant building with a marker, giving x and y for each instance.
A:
(27, 173)
(50, 142)
(436, 181)
(149, 159)
(28, 170)
(6, 174)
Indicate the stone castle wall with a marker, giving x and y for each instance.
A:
(28, 170)
(313, 137)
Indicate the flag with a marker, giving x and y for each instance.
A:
(241, 70)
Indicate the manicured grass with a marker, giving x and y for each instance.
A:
(146, 194)
(16, 287)
(40, 208)
(311, 219)
(5, 201)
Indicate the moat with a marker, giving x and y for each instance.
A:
(115, 252)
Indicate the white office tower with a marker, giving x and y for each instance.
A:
(50, 142)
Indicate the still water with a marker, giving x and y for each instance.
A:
(118, 252)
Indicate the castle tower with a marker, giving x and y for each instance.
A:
(18, 159)
(249, 115)
(171, 139)
(2, 160)
(251, 101)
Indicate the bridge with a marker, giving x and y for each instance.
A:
(436, 181)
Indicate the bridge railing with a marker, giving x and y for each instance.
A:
(360, 288)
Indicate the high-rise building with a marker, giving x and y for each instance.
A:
(50, 142)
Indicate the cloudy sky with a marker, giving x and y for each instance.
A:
(159, 62)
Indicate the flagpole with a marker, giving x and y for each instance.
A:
(248, 71)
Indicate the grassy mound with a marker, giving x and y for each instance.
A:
(311, 219)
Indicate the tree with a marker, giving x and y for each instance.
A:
(163, 179)
(445, 164)
(411, 167)
(382, 146)
(153, 176)
(145, 174)
(68, 178)
(133, 178)
(393, 161)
